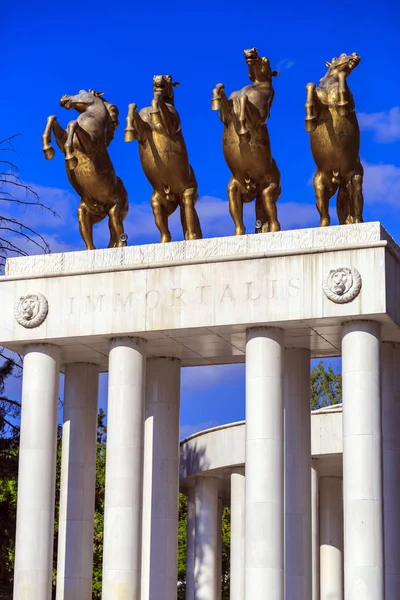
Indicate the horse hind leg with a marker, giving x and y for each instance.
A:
(237, 196)
(161, 216)
(270, 196)
(86, 221)
(261, 214)
(324, 189)
(356, 195)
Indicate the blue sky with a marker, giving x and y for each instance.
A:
(53, 48)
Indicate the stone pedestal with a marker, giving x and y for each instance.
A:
(362, 462)
(37, 474)
(298, 556)
(78, 479)
(124, 469)
(161, 480)
(264, 545)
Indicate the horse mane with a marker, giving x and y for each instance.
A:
(113, 122)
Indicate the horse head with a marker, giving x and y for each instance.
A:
(164, 86)
(259, 66)
(82, 101)
(343, 64)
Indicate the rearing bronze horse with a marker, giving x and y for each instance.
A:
(88, 164)
(335, 142)
(247, 147)
(164, 159)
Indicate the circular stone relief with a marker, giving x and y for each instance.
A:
(342, 285)
(31, 310)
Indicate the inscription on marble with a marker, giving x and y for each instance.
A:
(31, 310)
(178, 297)
(342, 285)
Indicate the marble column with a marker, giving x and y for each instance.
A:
(391, 465)
(161, 480)
(124, 468)
(264, 543)
(37, 474)
(315, 529)
(237, 533)
(298, 557)
(78, 479)
(206, 541)
(190, 543)
(362, 462)
(331, 539)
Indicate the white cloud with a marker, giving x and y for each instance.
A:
(381, 183)
(210, 375)
(385, 125)
(285, 63)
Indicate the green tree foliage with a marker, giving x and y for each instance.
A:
(326, 386)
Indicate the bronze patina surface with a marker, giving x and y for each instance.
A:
(165, 160)
(246, 144)
(335, 142)
(88, 164)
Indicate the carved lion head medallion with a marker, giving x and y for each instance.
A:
(342, 285)
(31, 310)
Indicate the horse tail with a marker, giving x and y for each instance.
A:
(113, 121)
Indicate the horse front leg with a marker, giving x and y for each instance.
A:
(84, 139)
(136, 128)
(220, 102)
(343, 104)
(161, 117)
(311, 108)
(242, 116)
(47, 148)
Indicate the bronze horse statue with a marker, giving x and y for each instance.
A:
(164, 159)
(246, 145)
(88, 164)
(335, 142)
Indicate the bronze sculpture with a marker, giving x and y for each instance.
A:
(246, 145)
(164, 159)
(335, 142)
(88, 164)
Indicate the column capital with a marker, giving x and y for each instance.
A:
(44, 347)
(128, 340)
(264, 331)
(361, 325)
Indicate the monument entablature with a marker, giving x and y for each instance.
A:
(194, 300)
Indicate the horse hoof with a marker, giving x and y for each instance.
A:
(325, 222)
(311, 125)
(274, 226)
(49, 153)
(240, 231)
(71, 162)
(165, 239)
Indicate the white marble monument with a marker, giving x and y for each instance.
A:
(272, 301)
